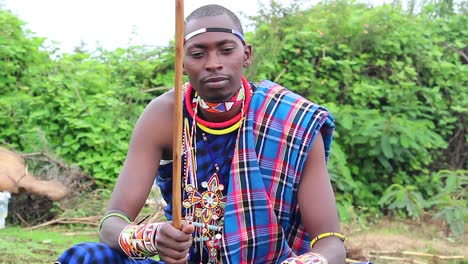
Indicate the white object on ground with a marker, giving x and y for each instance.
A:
(4, 197)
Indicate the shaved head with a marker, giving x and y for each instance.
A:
(215, 10)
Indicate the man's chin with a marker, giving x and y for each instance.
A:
(215, 100)
(215, 95)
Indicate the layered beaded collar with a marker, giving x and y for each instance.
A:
(192, 107)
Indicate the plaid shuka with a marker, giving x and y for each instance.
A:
(262, 216)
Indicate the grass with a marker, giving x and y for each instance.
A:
(19, 245)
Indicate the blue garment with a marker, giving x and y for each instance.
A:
(98, 253)
(220, 149)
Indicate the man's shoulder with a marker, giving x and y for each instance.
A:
(273, 89)
(267, 84)
(164, 102)
(159, 111)
(156, 122)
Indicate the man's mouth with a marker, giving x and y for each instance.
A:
(216, 82)
(215, 79)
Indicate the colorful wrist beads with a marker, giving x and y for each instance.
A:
(139, 241)
(308, 258)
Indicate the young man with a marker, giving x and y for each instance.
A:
(255, 183)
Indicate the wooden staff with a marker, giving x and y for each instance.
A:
(177, 140)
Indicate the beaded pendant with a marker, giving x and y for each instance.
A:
(206, 211)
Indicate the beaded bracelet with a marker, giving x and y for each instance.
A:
(307, 258)
(139, 241)
(317, 238)
(113, 213)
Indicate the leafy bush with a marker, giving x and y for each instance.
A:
(406, 198)
(80, 107)
(450, 200)
(394, 79)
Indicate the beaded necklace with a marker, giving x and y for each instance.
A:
(205, 202)
(192, 109)
(222, 107)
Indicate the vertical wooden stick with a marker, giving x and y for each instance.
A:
(177, 141)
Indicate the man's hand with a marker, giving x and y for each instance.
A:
(308, 258)
(172, 244)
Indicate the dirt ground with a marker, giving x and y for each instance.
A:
(405, 242)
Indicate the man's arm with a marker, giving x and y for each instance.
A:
(318, 207)
(152, 133)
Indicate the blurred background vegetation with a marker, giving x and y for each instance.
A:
(394, 77)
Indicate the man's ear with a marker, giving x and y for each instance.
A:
(247, 55)
(183, 69)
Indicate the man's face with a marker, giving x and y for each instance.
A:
(214, 61)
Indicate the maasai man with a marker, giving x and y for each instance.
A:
(255, 182)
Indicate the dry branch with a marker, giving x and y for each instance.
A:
(80, 233)
(161, 88)
(280, 74)
(430, 255)
(91, 220)
(50, 159)
(406, 260)
(348, 260)
(405, 256)
(416, 254)
(21, 219)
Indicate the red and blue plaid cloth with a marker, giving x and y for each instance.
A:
(262, 216)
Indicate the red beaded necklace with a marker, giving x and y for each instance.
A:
(191, 111)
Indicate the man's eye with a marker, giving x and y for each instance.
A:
(196, 55)
(227, 50)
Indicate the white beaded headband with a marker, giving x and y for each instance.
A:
(214, 29)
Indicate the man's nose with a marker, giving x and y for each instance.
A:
(213, 63)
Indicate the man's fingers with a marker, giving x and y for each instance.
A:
(174, 258)
(174, 245)
(188, 229)
(168, 231)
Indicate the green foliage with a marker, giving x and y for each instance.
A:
(19, 54)
(91, 109)
(450, 199)
(21, 62)
(395, 81)
(80, 107)
(445, 194)
(404, 197)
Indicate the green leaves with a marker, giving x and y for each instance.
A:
(81, 107)
(450, 200)
(406, 198)
(396, 83)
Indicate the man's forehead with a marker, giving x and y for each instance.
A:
(221, 24)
